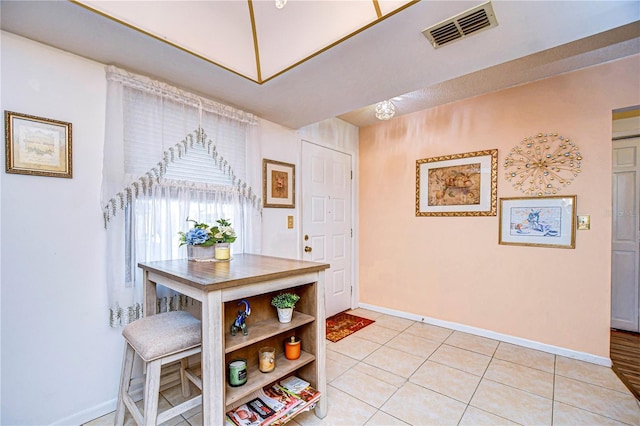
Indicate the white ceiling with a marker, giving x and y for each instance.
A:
(226, 32)
(208, 47)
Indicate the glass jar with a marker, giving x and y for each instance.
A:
(267, 359)
(237, 372)
(222, 251)
(292, 348)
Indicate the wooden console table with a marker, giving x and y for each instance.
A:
(219, 286)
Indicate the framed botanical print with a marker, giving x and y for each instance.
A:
(37, 146)
(457, 185)
(278, 184)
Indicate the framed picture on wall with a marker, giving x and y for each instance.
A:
(457, 185)
(278, 184)
(37, 146)
(540, 221)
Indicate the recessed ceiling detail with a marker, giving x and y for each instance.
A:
(251, 38)
(460, 26)
(534, 40)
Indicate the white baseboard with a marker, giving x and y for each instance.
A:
(97, 411)
(88, 414)
(556, 350)
(170, 377)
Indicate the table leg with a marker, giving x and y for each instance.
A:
(213, 373)
(149, 295)
(323, 406)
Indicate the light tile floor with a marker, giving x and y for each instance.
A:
(402, 372)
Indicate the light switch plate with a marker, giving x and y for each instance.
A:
(290, 222)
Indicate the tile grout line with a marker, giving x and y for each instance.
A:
(478, 385)
(629, 393)
(405, 381)
(408, 379)
(594, 413)
(377, 409)
(555, 376)
(553, 389)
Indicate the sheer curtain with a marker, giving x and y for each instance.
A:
(169, 155)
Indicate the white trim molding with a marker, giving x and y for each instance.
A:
(556, 350)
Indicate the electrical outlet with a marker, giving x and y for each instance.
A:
(290, 222)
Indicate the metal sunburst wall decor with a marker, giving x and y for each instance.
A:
(543, 164)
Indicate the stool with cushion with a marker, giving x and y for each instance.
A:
(158, 340)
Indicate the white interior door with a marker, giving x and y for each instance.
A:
(625, 270)
(326, 220)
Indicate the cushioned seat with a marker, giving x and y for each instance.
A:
(158, 340)
(163, 334)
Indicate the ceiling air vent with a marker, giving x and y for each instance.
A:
(463, 25)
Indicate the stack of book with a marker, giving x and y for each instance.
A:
(274, 405)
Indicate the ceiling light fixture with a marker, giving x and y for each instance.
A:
(385, 110)
(280, 3)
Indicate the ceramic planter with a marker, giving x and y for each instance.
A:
(198, 252)
(285, 314)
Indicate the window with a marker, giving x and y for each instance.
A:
(169, 156)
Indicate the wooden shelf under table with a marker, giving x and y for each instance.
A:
(257, 379)
(263, 330)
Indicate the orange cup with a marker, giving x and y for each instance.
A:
(292, 348)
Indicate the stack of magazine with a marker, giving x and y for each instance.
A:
(275, 404)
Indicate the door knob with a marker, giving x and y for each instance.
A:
(307, 249)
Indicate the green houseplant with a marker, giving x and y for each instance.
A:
(284, 303)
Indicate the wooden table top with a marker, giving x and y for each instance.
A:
(242, 269)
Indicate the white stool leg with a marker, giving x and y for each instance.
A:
(125, 382)
(184, 381)
(152, 392)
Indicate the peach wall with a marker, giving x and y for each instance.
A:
(452, 268)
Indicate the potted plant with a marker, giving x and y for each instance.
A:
(206, 242)
(285, 302)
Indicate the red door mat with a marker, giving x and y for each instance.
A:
(341, 325)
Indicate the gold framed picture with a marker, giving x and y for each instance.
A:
(278, 184)
(37, 146)
(584, 222)
(457, 185)
(538, 221)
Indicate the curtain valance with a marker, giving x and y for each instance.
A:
(156, 117)
(155, 176)
(159, 88)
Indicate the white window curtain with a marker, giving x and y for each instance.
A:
(169, 155)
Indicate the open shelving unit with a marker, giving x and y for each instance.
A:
(264, 329)
(221, 287)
